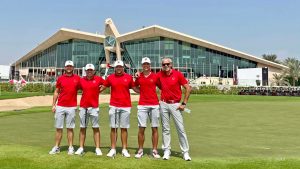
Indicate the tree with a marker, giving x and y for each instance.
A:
(293, 70)
(289, 60)
(280, 80)
(271, 57)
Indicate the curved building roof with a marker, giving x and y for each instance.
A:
(147, 32)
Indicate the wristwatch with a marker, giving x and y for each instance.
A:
(183, 103)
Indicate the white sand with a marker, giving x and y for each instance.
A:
(28, 102)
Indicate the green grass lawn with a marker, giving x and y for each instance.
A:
(14, 95)
(223, 132)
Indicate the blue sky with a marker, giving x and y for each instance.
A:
(254, 26)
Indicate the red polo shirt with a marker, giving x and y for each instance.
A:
(170, 86)
(68, 86)
(119, 93)
(90, 91)
(147, 85)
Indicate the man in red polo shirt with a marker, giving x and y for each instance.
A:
(119, 106)
(89, 107)
(66, 94)
(170, 82)
(147, 107)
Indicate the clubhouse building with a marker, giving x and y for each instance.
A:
(196, 58)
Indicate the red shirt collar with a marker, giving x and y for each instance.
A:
(67, 75)
(90, 79)
(147, 75)
(171, 72)
(120, 75)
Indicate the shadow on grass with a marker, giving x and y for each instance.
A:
(132, 150)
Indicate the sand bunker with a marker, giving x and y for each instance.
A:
(28, 102)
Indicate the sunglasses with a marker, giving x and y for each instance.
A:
(164, 64)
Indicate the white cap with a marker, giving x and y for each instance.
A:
(118, 63)
(89, 66)
(146, 60)
(69, 63)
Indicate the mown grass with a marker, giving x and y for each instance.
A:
(15, 95)
(223, 132)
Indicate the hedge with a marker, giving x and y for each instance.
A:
(50, 87)
(29, 87)
(216, 90)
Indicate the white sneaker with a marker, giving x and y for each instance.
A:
(98, 152)
(125, 153)
(155, 154)
(139, 154)
(54, 150)
(111, 153)
(79, 151)
(70, 150)
(167, 154)
(186, 156)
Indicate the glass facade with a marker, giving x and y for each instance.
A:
(49, 63)
(193, 60)
(80, 52)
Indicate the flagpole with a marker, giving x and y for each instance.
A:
(20, 69)
(15, 70)
(33, 69)
(203, 70)
(186, 69)
(233, 73)
(27, 70)
(40, 72)
(49, 70)
(227, 71)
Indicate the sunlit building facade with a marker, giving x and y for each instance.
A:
(196, 58)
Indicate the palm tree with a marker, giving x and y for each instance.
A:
(294, 69)
(280, 80)
(289, 60)
(271, 57)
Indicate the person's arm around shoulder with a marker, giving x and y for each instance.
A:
(157, 80)
(104, 84)
(80, 85)
(134, 85)
(102, 88)
(136, 89)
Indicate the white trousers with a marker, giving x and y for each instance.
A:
(167, 110)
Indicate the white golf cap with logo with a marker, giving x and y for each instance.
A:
(89, 66)
(69, 63)
(118, 63)
(146, 60)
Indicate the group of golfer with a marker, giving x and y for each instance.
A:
(168, 80)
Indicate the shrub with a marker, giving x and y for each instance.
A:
(6, 87)
(215, 90)
(29, 87)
